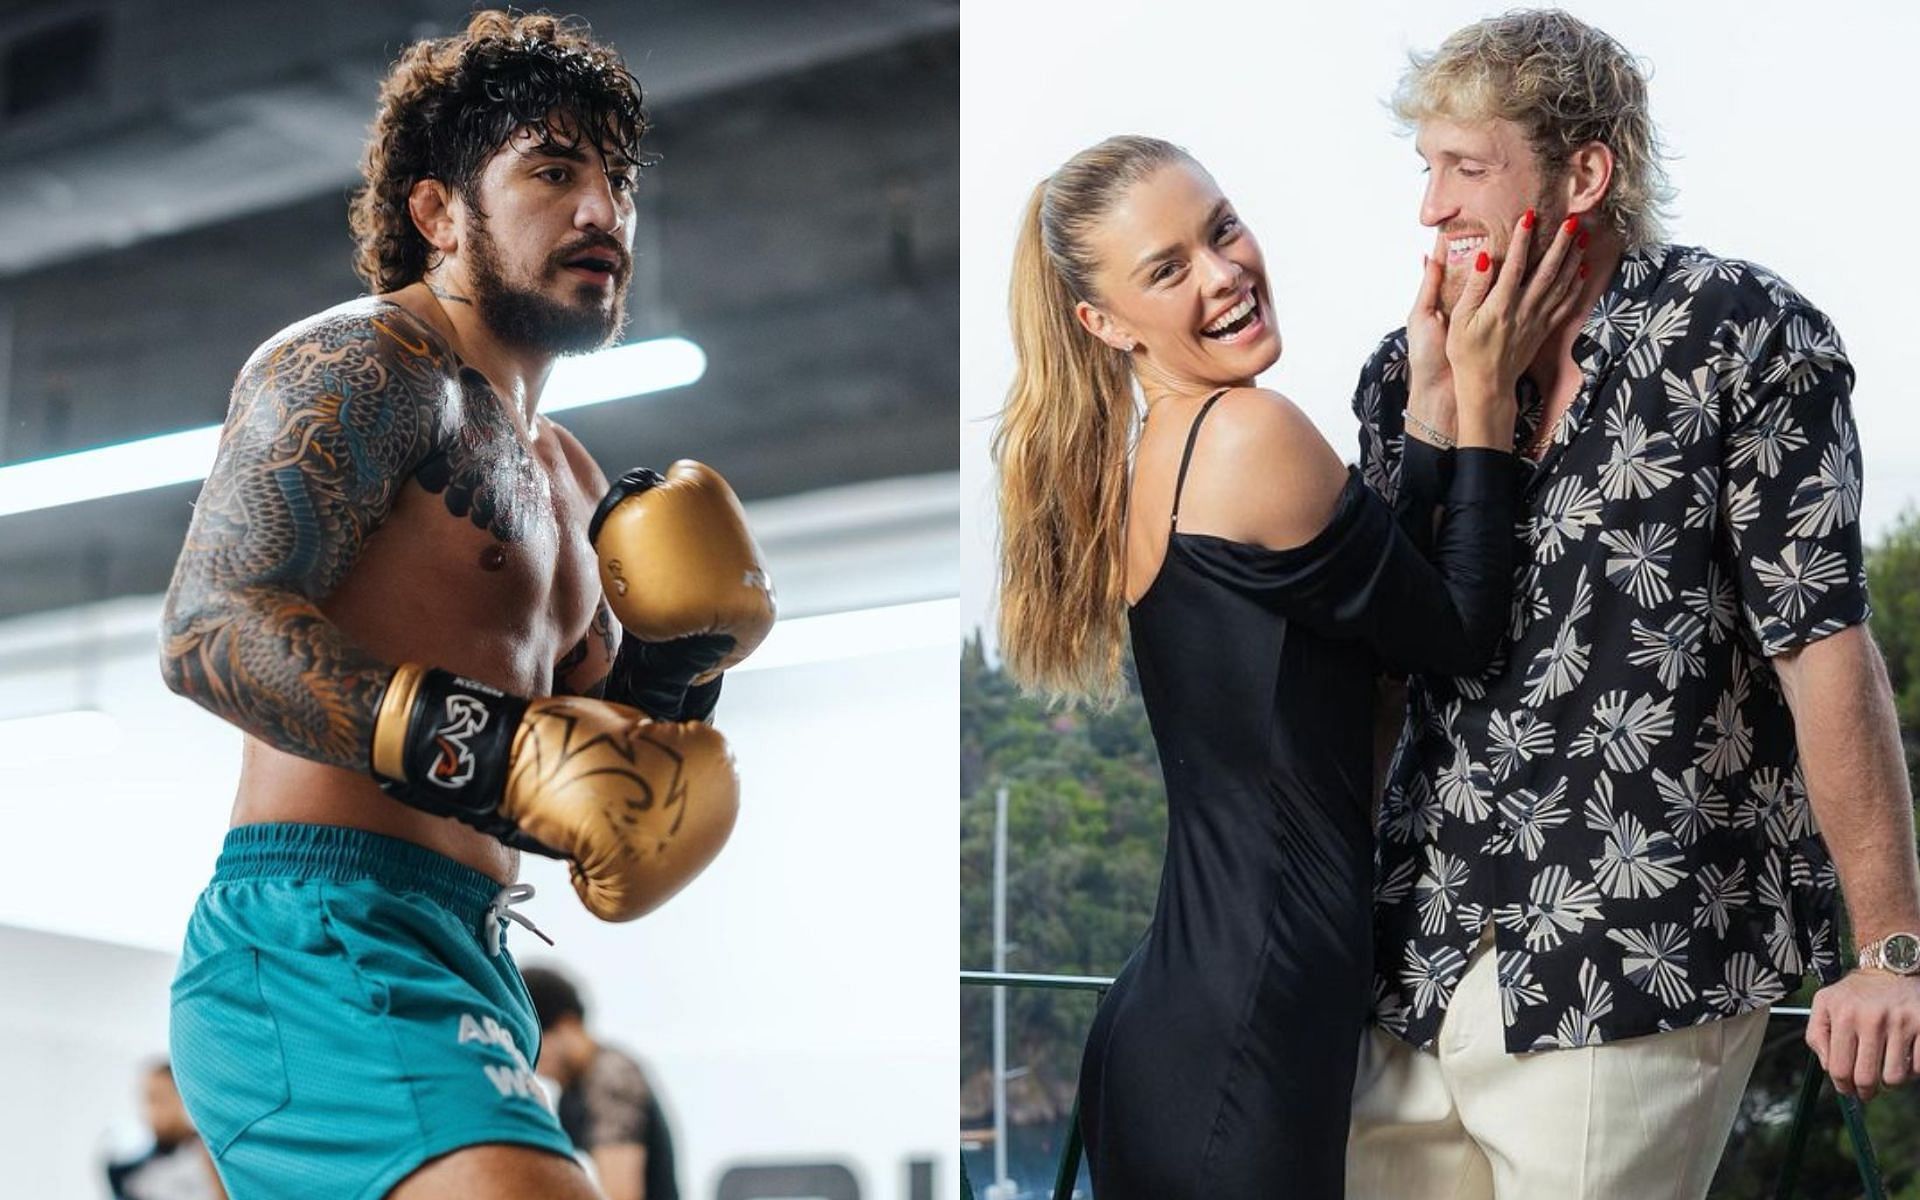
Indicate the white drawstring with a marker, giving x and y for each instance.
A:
(501, 911)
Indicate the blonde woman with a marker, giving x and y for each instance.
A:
(1263, 587)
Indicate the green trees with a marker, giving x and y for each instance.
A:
(1893, 577)
(1086, 824)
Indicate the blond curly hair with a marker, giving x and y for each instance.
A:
(1565, 84)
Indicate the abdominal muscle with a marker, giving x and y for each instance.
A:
(419, 594)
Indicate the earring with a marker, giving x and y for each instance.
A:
(1128, 348)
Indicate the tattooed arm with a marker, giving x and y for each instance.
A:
(582, 671)
(326, 423)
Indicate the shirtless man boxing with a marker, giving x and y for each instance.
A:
(408, 588)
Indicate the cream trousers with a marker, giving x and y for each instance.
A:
(1641, 1119)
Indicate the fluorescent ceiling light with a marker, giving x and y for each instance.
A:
(54, 737)
(631, 370)
(108, 471)
(834, 636)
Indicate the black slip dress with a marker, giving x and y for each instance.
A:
(1220, 1066)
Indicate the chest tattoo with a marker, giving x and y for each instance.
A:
(482, 470)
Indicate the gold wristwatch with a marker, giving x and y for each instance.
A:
(1896, 952)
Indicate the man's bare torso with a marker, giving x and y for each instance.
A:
(481, 567)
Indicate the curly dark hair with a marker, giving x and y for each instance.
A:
(450, 103)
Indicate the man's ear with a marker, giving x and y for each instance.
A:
(1589, 177)
(430, 205)
(1104, 327)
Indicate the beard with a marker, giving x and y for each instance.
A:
(1546, 226)
(524, 316)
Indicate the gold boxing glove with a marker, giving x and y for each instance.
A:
(677, 562)
(639, 807)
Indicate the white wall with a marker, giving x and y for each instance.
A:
(745, 993)
(81, 1018)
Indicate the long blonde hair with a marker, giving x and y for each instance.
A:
(1063, 439)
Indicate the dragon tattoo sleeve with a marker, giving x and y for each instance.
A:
(326, 423)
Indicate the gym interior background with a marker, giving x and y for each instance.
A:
(173, 184)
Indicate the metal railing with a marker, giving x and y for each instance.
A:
(1068, 1171)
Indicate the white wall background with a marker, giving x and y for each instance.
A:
(797, 1001)
(1791, 126)
(82, 1020)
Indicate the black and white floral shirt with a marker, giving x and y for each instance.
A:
(1618, 795)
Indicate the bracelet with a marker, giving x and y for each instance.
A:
(1433, 435)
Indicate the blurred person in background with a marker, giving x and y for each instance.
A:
(608, 1104)
(177, 1166)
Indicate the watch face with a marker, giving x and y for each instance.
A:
(1901, 952)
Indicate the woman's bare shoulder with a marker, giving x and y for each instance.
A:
(1261, 472)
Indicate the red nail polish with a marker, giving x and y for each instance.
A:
(1483, 262)
(1572, 225)
(1526, 219)
(1583, 270)
(1582, 242)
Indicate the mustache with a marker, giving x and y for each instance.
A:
(602, 245)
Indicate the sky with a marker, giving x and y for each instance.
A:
(1789, 130)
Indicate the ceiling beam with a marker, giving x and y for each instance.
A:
(196, 160)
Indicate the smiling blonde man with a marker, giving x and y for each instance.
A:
(1603, 858)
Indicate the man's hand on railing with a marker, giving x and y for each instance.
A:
(1865, 1029)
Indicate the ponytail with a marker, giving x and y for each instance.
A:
(1063, 442)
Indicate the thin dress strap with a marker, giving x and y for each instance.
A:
(1186, 457)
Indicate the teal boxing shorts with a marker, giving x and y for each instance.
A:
(345, 1010)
